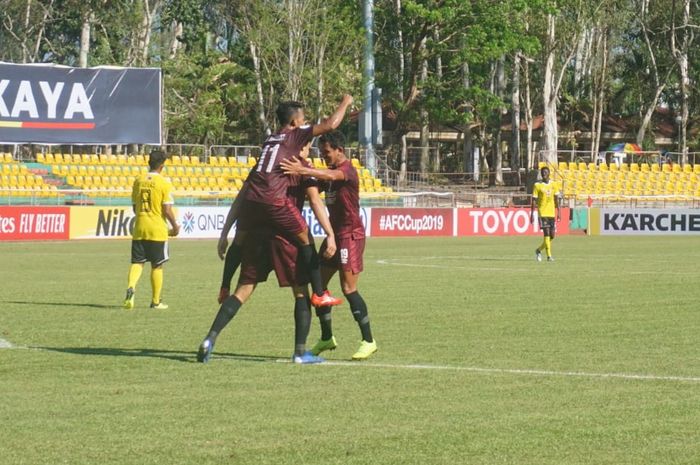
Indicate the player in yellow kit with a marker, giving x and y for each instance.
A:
(152, 199)
(545, 194)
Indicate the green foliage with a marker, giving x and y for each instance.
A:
(463, 35)
(206, 99)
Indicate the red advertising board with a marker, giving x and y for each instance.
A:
(34, 223)
(503, 222)
(412, 222)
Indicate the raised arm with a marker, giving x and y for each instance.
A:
(295, 166)
(332, 122)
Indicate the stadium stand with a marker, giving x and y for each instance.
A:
(218, 177)
(582, 180)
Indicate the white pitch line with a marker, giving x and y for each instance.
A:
(5, 344)
(514, 371)
(396, 262)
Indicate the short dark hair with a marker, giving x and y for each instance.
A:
(545, 168)
(287, 110)
(335, 139)
(156, 158)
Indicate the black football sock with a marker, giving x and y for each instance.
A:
(324, 317)
(359, 312)
(309, 258)
(226, 313)
(231, 264)
(302, 324)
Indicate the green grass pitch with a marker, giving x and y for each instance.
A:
(485, 357)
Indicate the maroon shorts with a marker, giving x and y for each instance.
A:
(255, 259)
(285, 219)
(284, 256)
(348, 256)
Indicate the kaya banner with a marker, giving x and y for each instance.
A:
(63, 105)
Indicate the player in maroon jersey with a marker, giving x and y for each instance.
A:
(266, 204)
(343, 201)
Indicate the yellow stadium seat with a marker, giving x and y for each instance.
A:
(194, 160)
(176, 160)
(377, 183)
(356, 163)
(50, 159)
(563, 165)
(185, 159)
(58, 159)
(68, 159)
(140, 160)
(85, 159)
(94, 159)
(40, 158)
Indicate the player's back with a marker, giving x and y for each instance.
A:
(149, 193)
(267, 182)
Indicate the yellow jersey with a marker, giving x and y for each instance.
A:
(150, 192)
(544, 193)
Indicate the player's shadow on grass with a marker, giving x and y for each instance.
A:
(176, 355)
(62, 304)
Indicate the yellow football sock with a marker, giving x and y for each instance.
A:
(157, 283)
(135, 271)
(548, 245)
(543, 245)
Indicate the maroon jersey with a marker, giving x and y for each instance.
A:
(267, 182)
(296, 192)
(343, 202)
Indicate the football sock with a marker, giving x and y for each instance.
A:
(324, 317)
(302, 324)
(135, 271)
(226, 313)
(548, 245)
(156, 283)
(231, 264)
(309, 258)
(543, 244)
(359, 312)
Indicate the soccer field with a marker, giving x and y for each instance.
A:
(485, 356)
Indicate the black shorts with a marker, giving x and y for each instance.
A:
(548, 222)
(155, 252)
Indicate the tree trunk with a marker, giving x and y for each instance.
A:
(88, 19)
(500, 82)
(549, 97)
(529, 120)
(600, 78)
(681, 55)
(403, 156)
(174, 42)
(424, 122)
(515, 121)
